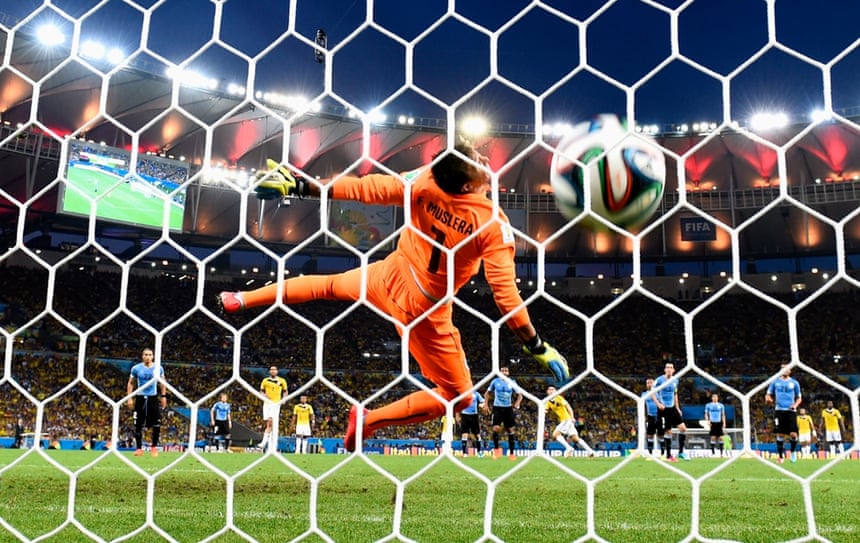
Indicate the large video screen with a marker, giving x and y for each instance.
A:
(101, 174)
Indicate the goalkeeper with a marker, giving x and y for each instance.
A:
(448, 204)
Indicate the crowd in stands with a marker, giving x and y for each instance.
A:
(739, 342)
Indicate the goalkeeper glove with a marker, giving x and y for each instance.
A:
(278, 182)
(550, 358)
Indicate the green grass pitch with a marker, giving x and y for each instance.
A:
(119, 200)
(355, 499)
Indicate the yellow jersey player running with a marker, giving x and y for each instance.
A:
(566, 427)
(273, 388)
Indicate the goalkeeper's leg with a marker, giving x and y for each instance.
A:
(435, 343)
(343, 286)
(389, 288)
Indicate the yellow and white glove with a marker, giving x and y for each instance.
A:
(279, 182)
(550, 358)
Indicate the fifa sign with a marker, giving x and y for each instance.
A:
(697, 229)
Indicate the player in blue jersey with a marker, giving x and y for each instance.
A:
(221, 421)
(784, 393)
(715, 414)
(147, 397)
(505, 396)
(665, 395)
(470, 424)
(653, 423)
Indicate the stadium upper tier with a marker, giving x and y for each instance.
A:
(782, 185)
(730, 190)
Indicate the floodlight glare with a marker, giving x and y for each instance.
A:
(191, 78)
(820, 115)
(474, 126)
(92, 49)
(376, 116)
(559, 129)
(115, 56)
(49, 34)
(235, 89)
(768, 121)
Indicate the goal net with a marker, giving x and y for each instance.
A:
(131, 136)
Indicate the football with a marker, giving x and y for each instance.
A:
(624, 174)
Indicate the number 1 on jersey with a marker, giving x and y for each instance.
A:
(436, 254)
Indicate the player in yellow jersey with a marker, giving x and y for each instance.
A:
(451, 221)
(273, 388)
(805, 432)
(833, 427)
(447, 428)
(303, 423)
(566, 427)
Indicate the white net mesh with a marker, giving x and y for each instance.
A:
(143, 122)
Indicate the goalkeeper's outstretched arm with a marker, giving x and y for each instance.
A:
(499, 270)
(278, 182)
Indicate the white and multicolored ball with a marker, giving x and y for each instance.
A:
(624, 174)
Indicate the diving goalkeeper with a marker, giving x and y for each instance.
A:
(448, 204)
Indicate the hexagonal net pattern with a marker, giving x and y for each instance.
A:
(143, 146)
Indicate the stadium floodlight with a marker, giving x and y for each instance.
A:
(191, 78)
(474, 126)
(92, 49)
(768, 121)
(376, 116)
(235, 89)
(559, 129)
(50, 35)
(115, 56)
(820, 115)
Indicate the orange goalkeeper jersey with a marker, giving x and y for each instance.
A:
(448, 219)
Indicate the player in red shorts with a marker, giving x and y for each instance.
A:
(448, 204)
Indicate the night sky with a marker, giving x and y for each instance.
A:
(628, 46)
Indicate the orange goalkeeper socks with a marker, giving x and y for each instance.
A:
(414, 408)
(296, 291)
